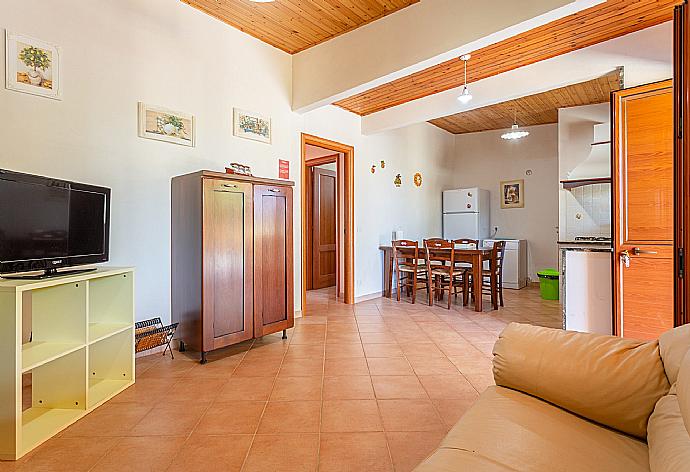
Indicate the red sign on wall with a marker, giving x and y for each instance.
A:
(283, 169)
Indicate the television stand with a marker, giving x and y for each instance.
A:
(48, 273)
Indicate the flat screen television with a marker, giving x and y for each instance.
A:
(47, 224)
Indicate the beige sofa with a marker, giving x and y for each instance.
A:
(567, 401)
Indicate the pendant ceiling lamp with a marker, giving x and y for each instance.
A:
(515, 131)
(465, 96)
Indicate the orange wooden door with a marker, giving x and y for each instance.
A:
(643, 204)
(324, 238)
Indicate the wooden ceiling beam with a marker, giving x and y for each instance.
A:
(600, 23)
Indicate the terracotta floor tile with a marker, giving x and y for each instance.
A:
(297, 388)
(411, 337)
(410, 415)
(168, 367)
(398, 386)
(201, 453)
(308, 338)
(409, 449)
(339, 351)
(147, 390)
(339, 337)
(144, 453)
(312, 366)
(432, 365)
(480, 381)
(473, 365)
(451, 410)
(305, 351)
(266, 367)
(345, 416)
(170, 419)
(389, 366)
(350, 452)
(291, 417)
(379, 327)
(382, 350)
(346, 366)
(68, 454)
(246, 388)
(239, 417)
(354, 387)
(283, 453)
(421, 350)
(111, 419)
(378, 338)
(197, 389)
(219, 368)
(447, 386)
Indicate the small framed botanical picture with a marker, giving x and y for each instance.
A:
(166, 125)
(32, 66)
(513, 194)
(250, 125)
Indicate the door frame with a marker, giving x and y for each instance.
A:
(309, 216)
(344, 161)
(681, 78)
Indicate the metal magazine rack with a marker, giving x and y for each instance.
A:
(151, 333)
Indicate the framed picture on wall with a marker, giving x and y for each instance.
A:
(166, 125)
(513, 194)
(32, 66)
(250, 125)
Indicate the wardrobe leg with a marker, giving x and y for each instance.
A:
(182, 347)
(285, 334)
(203, 358)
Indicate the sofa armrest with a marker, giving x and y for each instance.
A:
(606, 379)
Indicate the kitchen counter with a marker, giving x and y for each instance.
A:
(587, 246)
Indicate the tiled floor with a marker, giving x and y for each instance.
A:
(371, 387)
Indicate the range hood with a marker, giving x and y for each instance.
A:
(596, 168)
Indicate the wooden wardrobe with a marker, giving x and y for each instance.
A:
(232, 259)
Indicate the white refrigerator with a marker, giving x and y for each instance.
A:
(466, 213)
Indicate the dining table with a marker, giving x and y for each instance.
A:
(474, 257)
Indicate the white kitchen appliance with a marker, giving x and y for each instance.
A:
(466, 213)
(514, 262)
(587, 287)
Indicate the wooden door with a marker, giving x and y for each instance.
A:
(643, 203)
(273, 259)
(324, 224)
(681, 68)
(227, 263)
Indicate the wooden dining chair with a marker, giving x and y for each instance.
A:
(496, 261)
(410, 270)
(443, 274)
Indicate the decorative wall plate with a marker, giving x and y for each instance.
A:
(417, 179)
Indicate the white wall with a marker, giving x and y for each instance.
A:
(114, 54)
(583, 211)
(380, 207)
(166, 53)
(484, 160)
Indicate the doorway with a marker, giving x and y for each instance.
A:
(328, 219)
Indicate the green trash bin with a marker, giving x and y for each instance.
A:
(548, 284)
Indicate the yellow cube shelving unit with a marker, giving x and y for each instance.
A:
(80, 355)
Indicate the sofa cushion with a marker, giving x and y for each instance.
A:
(669, 442)
(683, 387)
(673, 345)
(509, 430)
(613, 381)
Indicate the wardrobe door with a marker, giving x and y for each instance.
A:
(227, 263)
(273, 252)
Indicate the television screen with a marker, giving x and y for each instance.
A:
(48, 223)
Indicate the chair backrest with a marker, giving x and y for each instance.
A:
(404, 249)
(474, 243)
(439, 251)
(498, 253)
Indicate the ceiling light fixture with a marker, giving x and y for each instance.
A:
(465, 96)
(515, 131)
